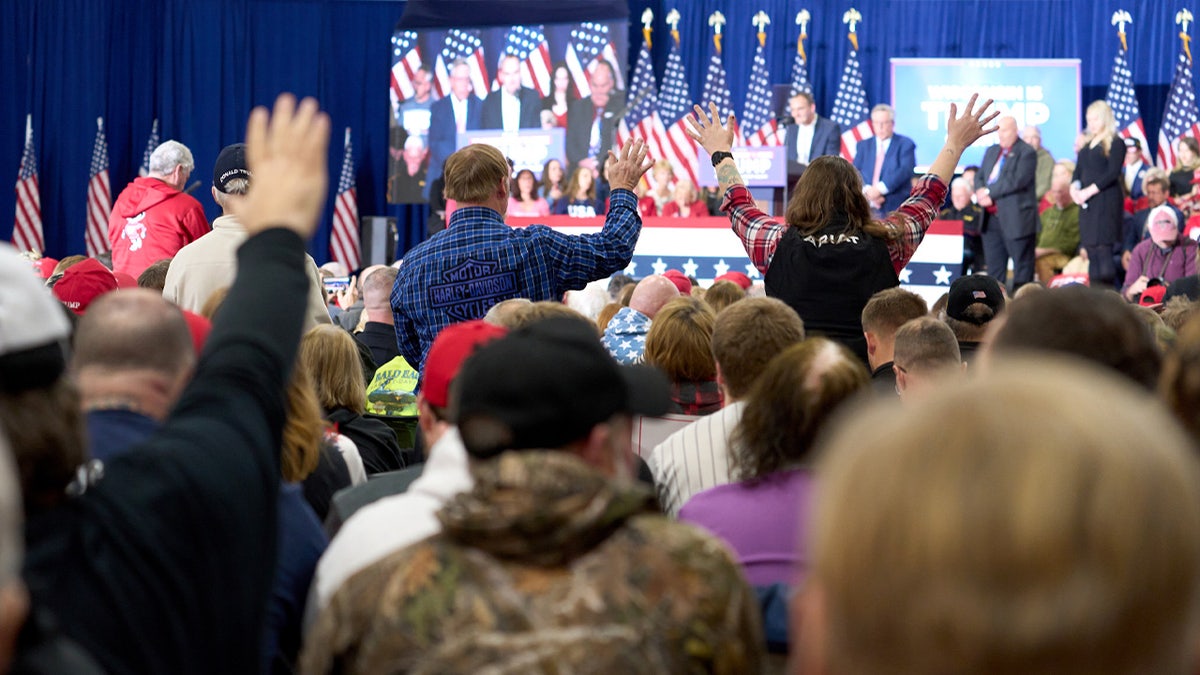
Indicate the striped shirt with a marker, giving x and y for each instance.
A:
(694, 459)
(760, 234)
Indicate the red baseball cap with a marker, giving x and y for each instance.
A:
(45, 267)
(82, 283)
(199, 327)
(738, 278)
(453, 345)
(1152, 296)
(680, 280)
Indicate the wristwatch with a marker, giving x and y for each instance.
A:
(719, 156)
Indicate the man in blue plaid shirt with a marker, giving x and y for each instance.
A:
(478, 260)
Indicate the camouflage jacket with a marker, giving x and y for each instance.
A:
(545, 566)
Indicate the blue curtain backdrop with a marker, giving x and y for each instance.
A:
(200, 65)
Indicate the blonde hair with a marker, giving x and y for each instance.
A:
(473, 173)
(331, 357)
(723, 294)
(303, 430)
(680, 341)
(1109, 128)
(1040, 519)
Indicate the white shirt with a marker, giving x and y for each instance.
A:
(1131, 173)
(694, 459)
(510, 111)
(804, 138)
(881, 148)
(460, 112)
(392, 523)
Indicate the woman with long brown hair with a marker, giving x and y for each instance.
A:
(828, 257)
(771, 450)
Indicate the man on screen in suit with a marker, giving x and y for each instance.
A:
(1006, 185)
(460, 111)
(512, 106)
(592, 121)
(809, 136)
(886, 162)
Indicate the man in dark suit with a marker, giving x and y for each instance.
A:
(809, 136)
(460, 111)
(1134, 172)
(1006, 185)
(592, 121)
(512, 106)
(886, 162)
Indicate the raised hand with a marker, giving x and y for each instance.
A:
(708, 131)
(626, 169)
(287, 152)
(961, 132)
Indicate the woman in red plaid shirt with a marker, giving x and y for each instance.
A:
(828, 257)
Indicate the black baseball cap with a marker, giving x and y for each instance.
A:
(545, 386)
(231, 164)
(971, 289)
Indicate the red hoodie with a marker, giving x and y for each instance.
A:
(151, 221)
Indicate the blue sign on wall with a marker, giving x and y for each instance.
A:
(1041, 92)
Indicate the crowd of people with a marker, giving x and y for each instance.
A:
(502, 454)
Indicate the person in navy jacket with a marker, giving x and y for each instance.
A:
(824, 136)
(460, 111)
(526, 104)
(886, 184)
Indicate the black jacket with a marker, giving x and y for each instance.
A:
(165, 564)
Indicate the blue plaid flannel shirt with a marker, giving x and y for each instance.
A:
(478, 261)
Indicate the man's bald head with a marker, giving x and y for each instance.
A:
(1006, 132)
(652, 293)
(133, 329)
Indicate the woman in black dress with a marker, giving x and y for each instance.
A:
(1096, 187)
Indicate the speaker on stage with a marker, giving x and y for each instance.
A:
(379, 240)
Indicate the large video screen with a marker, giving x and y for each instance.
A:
(1038, 92)
(538, 92)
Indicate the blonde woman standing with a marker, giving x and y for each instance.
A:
(1096, 187)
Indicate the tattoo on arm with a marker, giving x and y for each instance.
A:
(727, 175)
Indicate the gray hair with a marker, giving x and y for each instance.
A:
(883, 107)
(169, 155)
(959, 182)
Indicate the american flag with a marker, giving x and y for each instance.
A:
(850, 108)
(528, 43)
(716, 89)
(151, 144)
(642, 120)
(758, 118)
(343, 244)
(1121, 99)
(461, 44)
(99, 196)
(27, 230)
(1181, 115)
(800, 83)
(589, 42)
(406, 60)
(674, 105)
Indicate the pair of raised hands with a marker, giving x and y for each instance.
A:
(706, 128)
